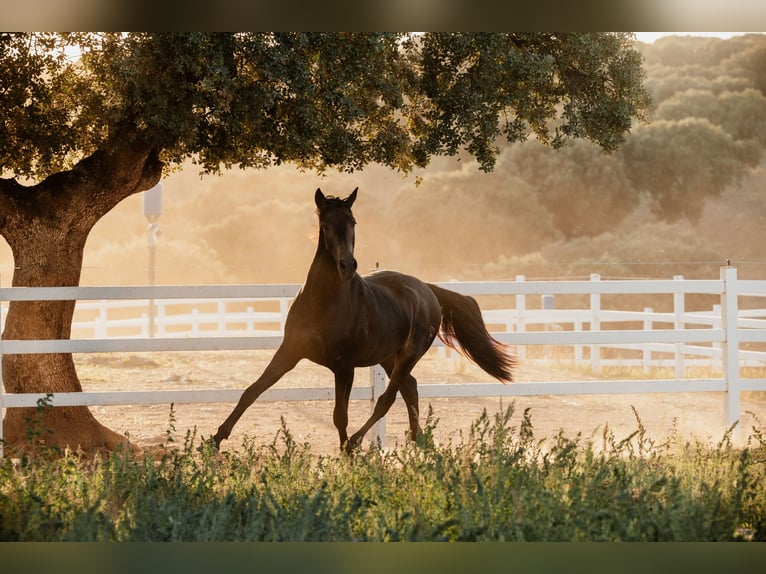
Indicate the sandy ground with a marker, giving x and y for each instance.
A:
(695, 415)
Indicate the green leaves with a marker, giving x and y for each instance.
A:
(316, 99)
(553, 86)
(499, 483)
(34, 78)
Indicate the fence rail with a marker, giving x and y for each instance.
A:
(224, 317)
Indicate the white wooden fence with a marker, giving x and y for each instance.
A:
(225, 318)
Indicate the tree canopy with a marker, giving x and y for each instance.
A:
(319, 100)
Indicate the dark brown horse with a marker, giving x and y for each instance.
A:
(342, 320)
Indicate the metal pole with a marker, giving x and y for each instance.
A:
(152, 212)
(153, 231)
(595, 325)
(521, 323)
(377, 387)
(730, 345)
(679, 309)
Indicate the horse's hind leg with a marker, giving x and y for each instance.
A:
(409, 391)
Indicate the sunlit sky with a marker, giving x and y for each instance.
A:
(650, 37)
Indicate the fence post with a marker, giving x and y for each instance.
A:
(377, 387)
(578, 355)
(221, 311)
(715, 360)
(730, 345)
(646, 352)
(284, 307)
(521, 326)
(548, 303)
(250, 322)
(102, 321)
(679, 308)
(162, 317)
(195, 321)
(595, 324)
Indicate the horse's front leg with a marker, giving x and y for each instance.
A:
(344, 379)
(282, 362)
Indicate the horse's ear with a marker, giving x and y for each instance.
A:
(319, 198)
(351, 198)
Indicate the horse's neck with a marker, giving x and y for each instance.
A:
(323, 281)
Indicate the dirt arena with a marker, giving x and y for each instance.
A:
(697, 415)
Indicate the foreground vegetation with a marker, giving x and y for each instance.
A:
(499, 483)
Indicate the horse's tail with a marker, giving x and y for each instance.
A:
(463, 329)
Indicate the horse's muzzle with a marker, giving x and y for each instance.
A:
(347, 268)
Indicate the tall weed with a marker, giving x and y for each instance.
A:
(500, 482)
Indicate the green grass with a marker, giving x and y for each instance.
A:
(498, 483)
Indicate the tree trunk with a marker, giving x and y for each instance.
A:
(48, 373)
(47, 226)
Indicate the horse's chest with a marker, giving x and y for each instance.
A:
(356, 338)
(351, 334)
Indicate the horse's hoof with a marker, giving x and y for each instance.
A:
(209, 443)
(352, 445)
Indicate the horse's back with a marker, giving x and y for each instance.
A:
(397, 284)
(405, 292)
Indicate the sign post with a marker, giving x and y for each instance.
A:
(152, 212)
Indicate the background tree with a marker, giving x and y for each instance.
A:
(677, 162)
(748, 62)
(741, 114)
(585, 190)
(90, 119)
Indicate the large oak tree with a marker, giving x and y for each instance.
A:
(89, 119)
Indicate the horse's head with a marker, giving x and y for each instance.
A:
(336, 230)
